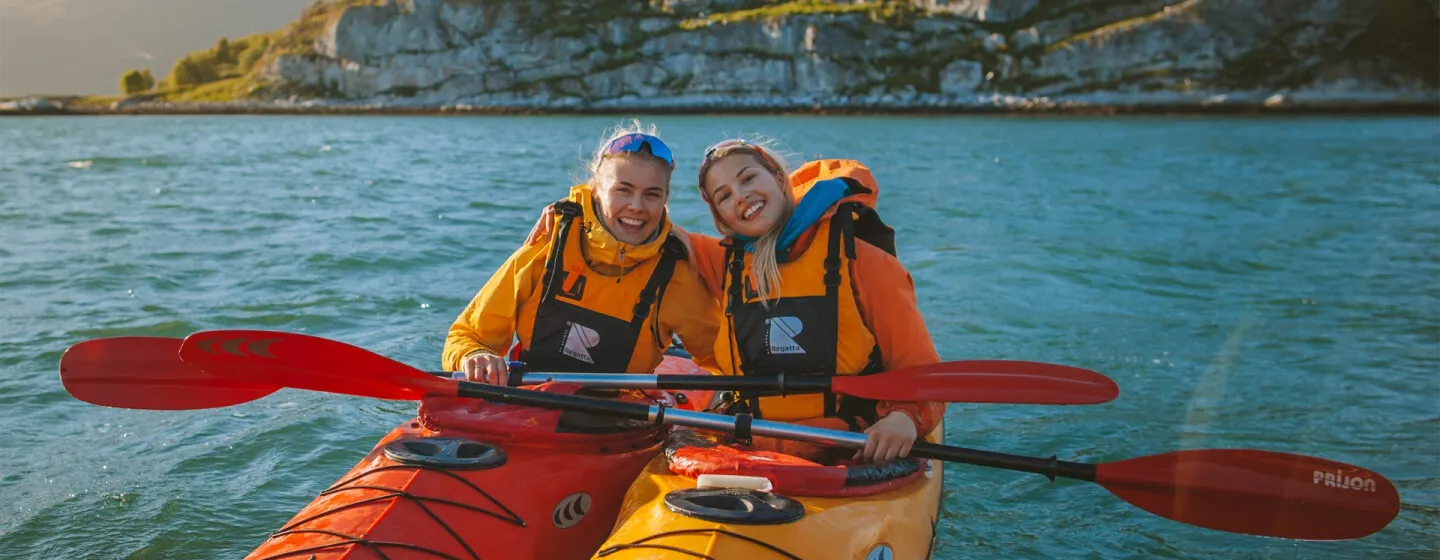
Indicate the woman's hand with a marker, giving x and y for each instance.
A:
(889, 438)
(542, 228)
(484, 367)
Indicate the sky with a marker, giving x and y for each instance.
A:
(82, 46)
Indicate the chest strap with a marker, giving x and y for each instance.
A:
(555, 261)
(670, 251)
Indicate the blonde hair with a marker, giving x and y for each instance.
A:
(594, 177)
(765, 265)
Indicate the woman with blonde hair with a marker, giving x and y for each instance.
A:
(606, 291)
(809, 285)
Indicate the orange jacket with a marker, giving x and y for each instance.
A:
(506, 306)
(885, 291)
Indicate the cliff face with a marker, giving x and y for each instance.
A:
(721, 54)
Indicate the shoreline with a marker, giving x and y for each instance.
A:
(54, 106)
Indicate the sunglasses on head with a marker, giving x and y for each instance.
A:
(733, 143)
(633, 142)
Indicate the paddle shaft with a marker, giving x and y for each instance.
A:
(977, 381)
(724, 423)
(1051, 468)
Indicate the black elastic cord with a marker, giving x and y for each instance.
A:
(643, 544)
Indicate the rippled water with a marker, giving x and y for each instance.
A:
(1263, 283)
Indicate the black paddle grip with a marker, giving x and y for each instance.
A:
(1050, 467)
(526, 397)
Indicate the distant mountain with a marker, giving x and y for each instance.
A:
(83, 46)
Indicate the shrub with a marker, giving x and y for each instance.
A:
(136, 81)
(190, 71)
(254, 49)
(223, 53)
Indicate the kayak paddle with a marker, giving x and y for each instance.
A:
(145, 372)
(969, 381)
(151, 362)
(1236, 490)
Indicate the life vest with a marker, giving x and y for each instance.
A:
(815, 326)
(588, 324)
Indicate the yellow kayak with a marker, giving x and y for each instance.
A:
(761, 505)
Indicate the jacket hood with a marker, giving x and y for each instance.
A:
(603, 251)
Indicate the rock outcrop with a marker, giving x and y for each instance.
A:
(804, 55)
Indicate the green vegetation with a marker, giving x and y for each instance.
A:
(299, 37)
(224, 54)
(895, 13)
(136, 81)
(192, 71)
(209, 74)
(228, 89)
(226, 71)
(798, 7)
(1098, 33)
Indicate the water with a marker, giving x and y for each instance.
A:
(1261, 283)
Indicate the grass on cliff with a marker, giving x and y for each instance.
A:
(227, 73)
(800, 7)
(1104, 30)
(229, 89)
(300, 35)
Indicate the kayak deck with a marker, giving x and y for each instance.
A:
(896, 523)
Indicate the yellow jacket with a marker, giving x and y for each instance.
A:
(506, 306)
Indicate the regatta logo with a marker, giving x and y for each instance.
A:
(238, 346)
(579, 339)
(781, 333)
(1338, 479)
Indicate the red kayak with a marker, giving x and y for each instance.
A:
(468, 479)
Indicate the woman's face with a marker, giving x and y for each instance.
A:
(632, 197)
(748, 198)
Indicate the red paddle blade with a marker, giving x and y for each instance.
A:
(145, 372)
(984, 381)
(1256, 492)
(307, 362)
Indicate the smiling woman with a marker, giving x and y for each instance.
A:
(631, 183)
(593, 298)
(806, 248)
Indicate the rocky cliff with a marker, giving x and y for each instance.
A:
(738, 54)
